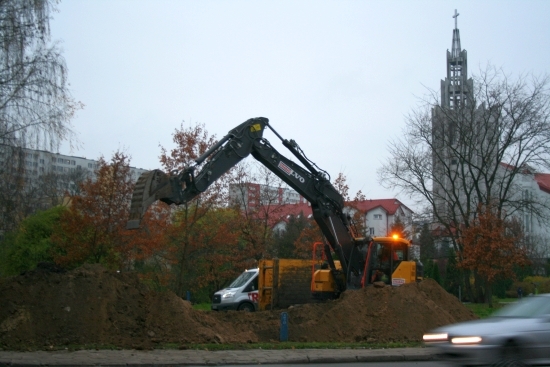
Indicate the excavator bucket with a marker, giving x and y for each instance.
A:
(150, 186)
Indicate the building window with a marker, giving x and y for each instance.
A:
(59, 160)
(377, 216)
(89, 165)
(41, 161)
(371, 231)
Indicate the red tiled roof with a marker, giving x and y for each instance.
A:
(506, 165)
(389, 205)
(543, 179)
(282, 212)
(525, 169)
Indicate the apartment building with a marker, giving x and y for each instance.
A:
(252, 196)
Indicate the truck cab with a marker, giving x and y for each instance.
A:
(241, 294)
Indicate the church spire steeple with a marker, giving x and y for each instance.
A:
(456, 87)
(456, 38)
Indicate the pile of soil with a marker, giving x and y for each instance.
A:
(93, 306)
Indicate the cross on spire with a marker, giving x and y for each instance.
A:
(456, 18)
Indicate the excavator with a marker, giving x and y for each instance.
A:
(352, 261)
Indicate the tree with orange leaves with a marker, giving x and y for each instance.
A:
(491, 249)
(303, 246)
(213, 254)
(93, 228)
(200, 243)
(148, 244)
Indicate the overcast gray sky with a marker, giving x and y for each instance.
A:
(336, 76)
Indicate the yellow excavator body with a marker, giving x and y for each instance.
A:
(387, 261)
(323, 281)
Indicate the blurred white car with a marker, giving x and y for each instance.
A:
(517, 334)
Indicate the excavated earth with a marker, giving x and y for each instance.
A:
(44, 309)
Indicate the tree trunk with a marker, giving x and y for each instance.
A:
(478, 288)
(489, 294)
(467, 285)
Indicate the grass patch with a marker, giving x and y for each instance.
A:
(482, 310)
(202, 306)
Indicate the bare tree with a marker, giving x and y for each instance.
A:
(13, 197)
(454, 159)
(35, 103)
(259, 195)
(55, 187)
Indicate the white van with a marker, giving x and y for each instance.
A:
(242, 293)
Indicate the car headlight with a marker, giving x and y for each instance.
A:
(228, 295)
(441, 337)
(466, 340)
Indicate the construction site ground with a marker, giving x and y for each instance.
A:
(47, 310)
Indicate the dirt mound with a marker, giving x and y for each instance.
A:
(90, 305)
(372, 314)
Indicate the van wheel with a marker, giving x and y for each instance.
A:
(246, 307)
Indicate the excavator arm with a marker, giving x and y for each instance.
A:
(312, 183)
(179, 188)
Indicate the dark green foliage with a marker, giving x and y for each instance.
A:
(431, 270)
(501, 286)
(427, 245)
(435, 275)
(453, 275)
(428, 265)
(285, 240)
(30, 244)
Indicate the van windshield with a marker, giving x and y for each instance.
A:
(242, 279)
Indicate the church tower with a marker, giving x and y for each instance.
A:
(456, 88)
(448, 124)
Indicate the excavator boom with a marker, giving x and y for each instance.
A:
(312, 183)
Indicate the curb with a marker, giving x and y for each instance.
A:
(173, 358)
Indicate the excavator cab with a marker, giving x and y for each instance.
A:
(387, 261)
